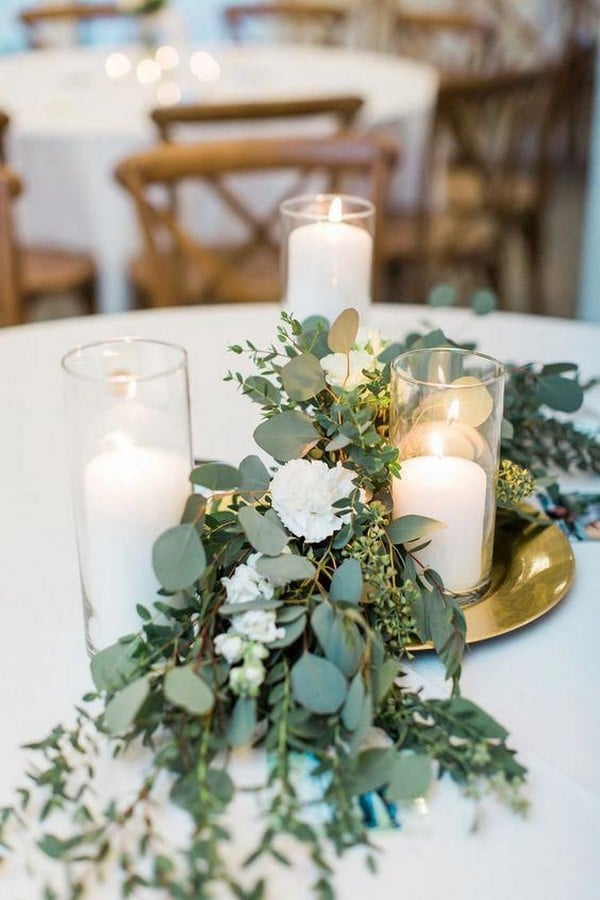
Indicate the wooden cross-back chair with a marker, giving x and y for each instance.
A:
(454, 41)
(36, 18)
(342, 109)
(316, 22)
(10, 292)
(494, 133)
(178, 268)
(42, 270)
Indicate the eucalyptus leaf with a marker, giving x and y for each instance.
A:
(178, 557)
(507, 430)
(317, 684)
(216, 477)
(242, 722)
(374, 769)
(474, 717)
(293, 630)
(261, 390)
(347, 582)
(340, 639)
(342, 333)
(442, 295)
(124, 706)
(410, 528)
(255, 475)
(353, 705)
(560, 393)
(220, 785)
(183, 687)
(410, 778)
(265, 536)
(383, 679)
(287, 435)
(280, 570)
(113, 666)
(337, 443)
(303, 377)
(483, 302)
(194, 512)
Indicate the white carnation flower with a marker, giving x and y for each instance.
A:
(347, 370)
(231, 646)
(247, 584)
(257, 625)
(303, 493)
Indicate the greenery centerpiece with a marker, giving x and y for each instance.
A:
(289, 599)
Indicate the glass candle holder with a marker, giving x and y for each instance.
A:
(128, 416)
(327, 254)
(445, 419)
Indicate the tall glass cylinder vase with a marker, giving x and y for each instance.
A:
(129, 427)
(327, 254)
(446, 417)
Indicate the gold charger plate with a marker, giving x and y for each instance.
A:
(533, 569)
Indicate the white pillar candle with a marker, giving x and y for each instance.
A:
(329, 268)
(453, 491)
(131, 495)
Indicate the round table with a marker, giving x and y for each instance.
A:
(542, 682)
(72, 123)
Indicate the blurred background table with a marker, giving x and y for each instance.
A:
(541, 682)
(71, 123)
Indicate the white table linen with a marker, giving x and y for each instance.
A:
(541, 682)
(71, 125)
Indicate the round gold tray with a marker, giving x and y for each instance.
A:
(533, 569)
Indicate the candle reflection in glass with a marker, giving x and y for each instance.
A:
(446, 417)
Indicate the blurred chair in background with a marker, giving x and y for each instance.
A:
(43, 23)
(10, 295)
(321, 23)
(40, 271)
(341, 109)
(489, 173)
(454, 41)
(178, 268)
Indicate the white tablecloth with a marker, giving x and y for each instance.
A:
(541, 682)
(71, 125)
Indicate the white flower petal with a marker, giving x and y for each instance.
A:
(303, 493)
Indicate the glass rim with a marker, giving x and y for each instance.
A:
(121, 378)
(458, 351)
(286, 207)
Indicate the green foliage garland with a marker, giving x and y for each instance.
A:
(286, 639)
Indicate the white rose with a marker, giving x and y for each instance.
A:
(257, 625)
(247, 584)
(303, 493)
(231, 646)
(347, 370)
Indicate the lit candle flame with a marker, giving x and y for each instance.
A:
(441, 375)
(453, 411)
(335, 210)
(123, 384)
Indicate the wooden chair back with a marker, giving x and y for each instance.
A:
(342, 109)
(10, 292)
(36, 18)
(502, 126)
(310, 22)
(225, 273)
(453, 41)
(4, 123)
